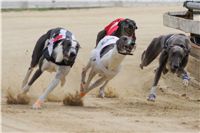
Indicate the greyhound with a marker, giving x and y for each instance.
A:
(54, 51)
(174, 52)
(105, 61)
(119, 27)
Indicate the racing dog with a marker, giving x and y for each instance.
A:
(174, 52)
(54, 51)
(105, 61)
(119, 27)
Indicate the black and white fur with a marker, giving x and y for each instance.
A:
(105, 61)
(61, 60)
(174, 54)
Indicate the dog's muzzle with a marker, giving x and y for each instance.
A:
(72, 56)
(128, 49)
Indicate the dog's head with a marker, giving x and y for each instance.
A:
(127, 27)
(178, 51)
(66, 50)
(125, 45)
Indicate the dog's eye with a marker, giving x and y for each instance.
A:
(77, 46)
(130, 26)
(182, 46)
(132, 44)
(125, 39)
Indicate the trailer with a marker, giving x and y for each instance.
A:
(189, 22)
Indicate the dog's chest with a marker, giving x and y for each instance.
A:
(51, 67)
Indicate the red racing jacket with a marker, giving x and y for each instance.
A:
(113, 26)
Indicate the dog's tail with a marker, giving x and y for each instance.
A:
(152, 51)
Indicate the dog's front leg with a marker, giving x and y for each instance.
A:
(185, 76)
(162, 64)
(62, 71)
(101, 90)
(38, 104)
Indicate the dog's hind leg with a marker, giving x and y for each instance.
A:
(162, 64)
(95, 84)
(85, 86)
(35, 76)
(101, 89)
(36, 56)
(83, 75)
(84, 71)
(28, 73)
(42, 67)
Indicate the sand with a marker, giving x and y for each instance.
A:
(130, 112)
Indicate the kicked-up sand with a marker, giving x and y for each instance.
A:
(129, 112)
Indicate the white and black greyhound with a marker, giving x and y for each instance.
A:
(105, 61)
(55, 51)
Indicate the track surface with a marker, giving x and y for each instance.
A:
(128, 113)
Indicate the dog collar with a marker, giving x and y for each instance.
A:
(167, 41)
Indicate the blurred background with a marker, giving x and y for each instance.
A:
(78, 3)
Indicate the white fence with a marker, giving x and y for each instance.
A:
(17, 4)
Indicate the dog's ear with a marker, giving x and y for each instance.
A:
(184, 61)
(123, 22)
(119, 43)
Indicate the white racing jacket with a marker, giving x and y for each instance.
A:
(95, 56)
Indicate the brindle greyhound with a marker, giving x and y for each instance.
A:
(54, 51)
(174, 53)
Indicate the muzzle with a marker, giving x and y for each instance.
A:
(128, 48)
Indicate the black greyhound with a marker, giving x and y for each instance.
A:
(174, 53)
(119, 27)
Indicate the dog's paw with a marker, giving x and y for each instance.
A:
(151, 97)
(38, 104)
(141, 66)
(165, 71)
(155, 70)
(185, 82)
(82, 94)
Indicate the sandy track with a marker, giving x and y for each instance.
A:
(128, 113)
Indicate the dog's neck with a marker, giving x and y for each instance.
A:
(58, 53)
(112, 59)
